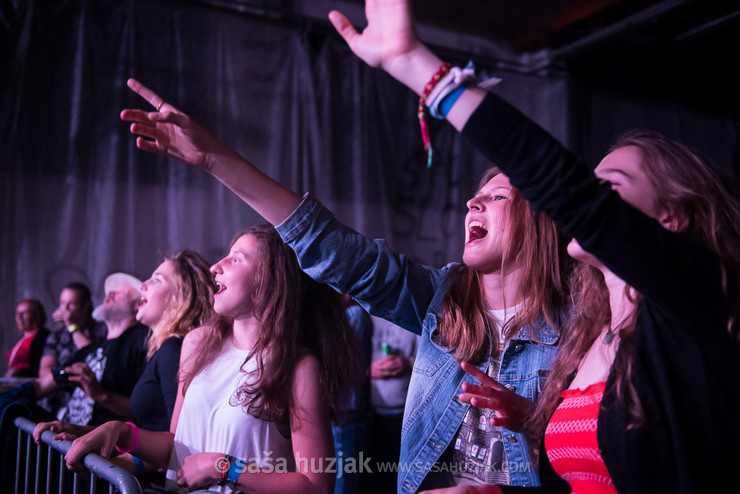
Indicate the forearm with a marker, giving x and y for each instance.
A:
(44, 385)
(276, 482)
(153, 447)
(267, 197)
(80, 339)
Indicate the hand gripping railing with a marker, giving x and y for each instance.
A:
(30, 479)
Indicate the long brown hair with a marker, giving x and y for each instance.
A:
(296, 315)
(690, 186)
(534, 244)
(192, 302)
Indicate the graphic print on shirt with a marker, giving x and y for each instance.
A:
(478, 455)
(80, 408)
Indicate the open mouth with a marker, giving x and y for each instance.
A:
(220, 287)
(476, 231)
(140, 303)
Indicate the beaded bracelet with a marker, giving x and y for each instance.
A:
(428, 88)
(135, 430)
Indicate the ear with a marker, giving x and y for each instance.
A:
(674, 221)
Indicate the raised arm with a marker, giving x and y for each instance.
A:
(389, 41)
(171, 132)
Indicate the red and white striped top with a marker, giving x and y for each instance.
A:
(571, 443)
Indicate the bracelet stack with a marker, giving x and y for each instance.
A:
(448, 90)
(428, 88)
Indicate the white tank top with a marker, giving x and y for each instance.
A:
(212, 421)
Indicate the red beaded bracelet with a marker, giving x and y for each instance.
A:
(428, 88)
(135, 430)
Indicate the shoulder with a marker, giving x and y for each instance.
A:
(171, 344)
(192, 341)
(170, 349)
(194, 338)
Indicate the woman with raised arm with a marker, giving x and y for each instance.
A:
(498, 312)
(644, 394)
(256, 387)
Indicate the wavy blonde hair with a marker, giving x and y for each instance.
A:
(192, 301)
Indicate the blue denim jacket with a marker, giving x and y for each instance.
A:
(393, 287)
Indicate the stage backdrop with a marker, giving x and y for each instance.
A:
(80, 201)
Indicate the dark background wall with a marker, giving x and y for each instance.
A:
(79, 201)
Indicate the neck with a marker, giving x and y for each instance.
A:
(246, 332)
(502, 288)
(621, 306)
(116, 328)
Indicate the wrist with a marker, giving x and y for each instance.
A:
(72, 328)
(100, 396)
(128, 440)
(414, 68)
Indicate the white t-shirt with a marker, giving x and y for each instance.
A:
(212, 421)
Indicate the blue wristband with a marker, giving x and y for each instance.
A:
(451, 99)
(139, 465)
(235, 470)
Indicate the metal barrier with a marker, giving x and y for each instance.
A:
(50, 470)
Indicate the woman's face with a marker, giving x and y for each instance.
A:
(156, 294)
(622, 170)
(486, 224)
(236, 275)
(24, 317)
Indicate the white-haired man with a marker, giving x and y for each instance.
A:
(104, 374)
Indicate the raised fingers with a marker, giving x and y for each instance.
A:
(150, 96)
(345, 29)
(482, 378)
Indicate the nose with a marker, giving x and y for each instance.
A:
(143, 286)
(474, 204)
(216, 268)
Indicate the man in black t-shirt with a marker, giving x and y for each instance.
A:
(105, 373)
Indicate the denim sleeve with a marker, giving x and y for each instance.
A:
(386, 284)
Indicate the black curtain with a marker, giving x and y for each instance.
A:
(79, 201)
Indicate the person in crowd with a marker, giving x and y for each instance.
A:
(177, 298)
(393, 352)
(500, 309)
(103, 375)
(24, 358)
(77, 329)
(350, 431)
(644, 395)
(257, 386)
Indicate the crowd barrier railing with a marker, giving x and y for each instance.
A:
(41, 467)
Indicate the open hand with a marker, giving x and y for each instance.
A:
(100, 440)
(63, 430)
(390, 33)
(511, 409)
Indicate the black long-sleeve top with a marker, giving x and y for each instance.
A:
(686, 366)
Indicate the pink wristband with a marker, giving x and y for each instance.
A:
(135, 430)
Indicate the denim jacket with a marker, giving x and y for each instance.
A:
(393, 287)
